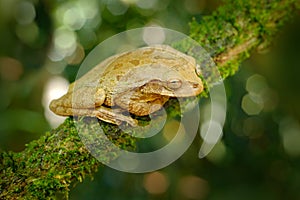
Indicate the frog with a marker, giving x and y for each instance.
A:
(137, 82)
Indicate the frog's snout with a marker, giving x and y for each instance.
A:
(197, 88)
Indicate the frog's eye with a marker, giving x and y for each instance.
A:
(174, 83)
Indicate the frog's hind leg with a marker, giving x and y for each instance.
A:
(87, 101)
(105, 114)
(113, 116)
(81, 98)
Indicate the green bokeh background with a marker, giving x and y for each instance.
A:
(259, 155)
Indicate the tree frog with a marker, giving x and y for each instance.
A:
(137, 82)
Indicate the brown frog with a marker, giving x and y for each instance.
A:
(138, 82)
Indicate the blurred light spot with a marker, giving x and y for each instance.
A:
(116, 7)
(55, 67)
(260, 96)
(252, 105)
(218, 153)
(194, 6)
(156, 183)
(128, 162)
(78, 14)
(10, 69)
(64, 44)
(60, 12)
(193, 187)
(89, 8)
(73, 18)
(54, 55)
(237, 126)
(65, 40)
(146, 4)
(87, 37)
(291, 142)
(93, 23)
(77, 56)
(253, 127)
(27, 33)
(170, 129)
(25, 12)
(154, 35)
(256, 84)
(211, 131)
(290, 132)
(271, 99)
(54, 88)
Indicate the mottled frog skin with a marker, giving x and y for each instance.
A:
(138, 82)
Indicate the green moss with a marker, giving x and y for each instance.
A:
(51, 164)
(238, 22)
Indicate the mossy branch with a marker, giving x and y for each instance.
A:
(49, 165)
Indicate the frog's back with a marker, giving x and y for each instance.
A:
(157, 54)
(108, 73)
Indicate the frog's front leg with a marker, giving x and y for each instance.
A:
(109, 115)
(78, 97)
(139, 103)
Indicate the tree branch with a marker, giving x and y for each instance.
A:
(49, 165)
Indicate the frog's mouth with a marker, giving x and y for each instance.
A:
(187, 89)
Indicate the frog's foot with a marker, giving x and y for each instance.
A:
(106, 114)
(114, 116)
